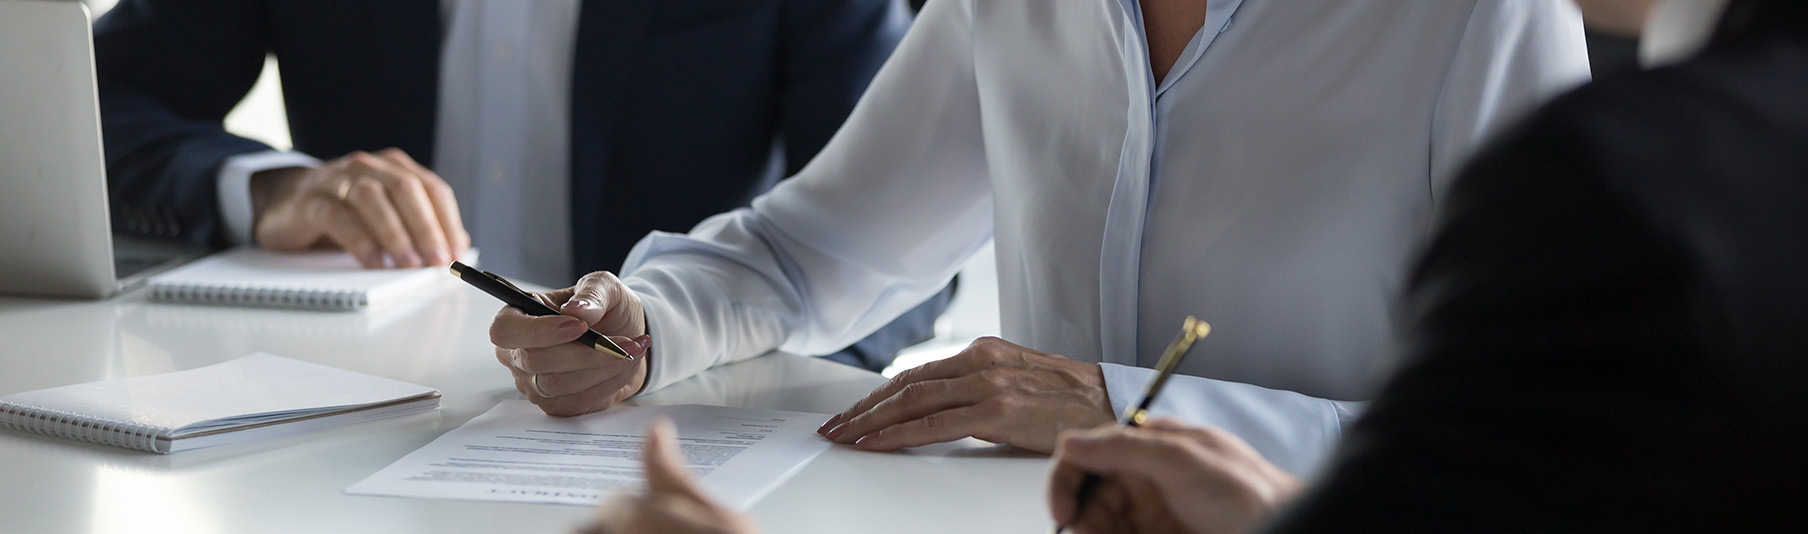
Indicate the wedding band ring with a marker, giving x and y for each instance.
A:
(535, 384)
(345, 189)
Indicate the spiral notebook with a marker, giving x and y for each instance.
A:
(253, 397)
(320, 280)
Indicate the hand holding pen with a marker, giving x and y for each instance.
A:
(572, 351)
(1159, 475)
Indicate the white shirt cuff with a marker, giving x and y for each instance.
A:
(1293, 431)
(235, 187)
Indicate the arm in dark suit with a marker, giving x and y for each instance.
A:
(168, 74)
(831, 49)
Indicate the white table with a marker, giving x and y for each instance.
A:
(296, 484)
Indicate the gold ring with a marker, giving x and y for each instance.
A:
(345, 188)
(535, 384)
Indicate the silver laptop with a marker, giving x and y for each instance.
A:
(55, 234)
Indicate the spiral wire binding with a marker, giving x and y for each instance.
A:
(78, 427)
(268, 297)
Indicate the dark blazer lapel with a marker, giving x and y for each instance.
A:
(610, 36)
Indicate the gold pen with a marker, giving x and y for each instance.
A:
(1193, 330)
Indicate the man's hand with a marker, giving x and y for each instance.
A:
(673, 504)
(372, 205)
(994, 390)
(565, 378)
(1166, 477)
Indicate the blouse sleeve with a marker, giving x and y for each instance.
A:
(881, 220)
(1513, 57)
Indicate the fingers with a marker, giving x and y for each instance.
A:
(592, 297)
(442, 203)
(936, 370)
(515, 329)
(398, 191)
(1064, 481)
(1156, 455)
(342, 227)
(567, 370)
(596, 398)
(913, 401)
(947, 425)
(373, 206)
(666, 469)
(1107, 511)
(674, 502)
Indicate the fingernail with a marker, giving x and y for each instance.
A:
(828, 424)
(373, 260)
(865, 441)
(408, 259)
(572, 328)
(836, 432)
(441, 257)
(582, 304)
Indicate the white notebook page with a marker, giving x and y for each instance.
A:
(250, 267)
(247, 389)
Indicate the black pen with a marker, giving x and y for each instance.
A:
(1192, 331)
(500, 288)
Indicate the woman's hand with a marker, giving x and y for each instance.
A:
(1166, 477)
(673, 502)
(565, 378)
(995, 390)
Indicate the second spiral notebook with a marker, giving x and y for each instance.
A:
(253, 397)
(319, 280)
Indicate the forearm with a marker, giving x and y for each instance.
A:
(159, 163)
(168, 74)
(735, 288)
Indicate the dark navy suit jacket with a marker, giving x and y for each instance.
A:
(684, 106)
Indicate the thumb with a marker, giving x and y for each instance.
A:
(665, 470)
(588, 298)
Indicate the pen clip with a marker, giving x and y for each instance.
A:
(505, 282)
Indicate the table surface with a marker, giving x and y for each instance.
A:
(296, 484)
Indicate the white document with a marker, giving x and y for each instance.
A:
(515, 453)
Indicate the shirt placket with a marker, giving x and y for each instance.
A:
(501, 109)
(1126, 217)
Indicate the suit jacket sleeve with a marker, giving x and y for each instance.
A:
(831, 50)
(1546, 368)
(168, 73)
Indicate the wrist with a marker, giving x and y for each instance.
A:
(269, 186)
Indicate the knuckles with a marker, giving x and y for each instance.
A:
(498, 332)
(936, 421)
(913, 394)
(367, 190)
(994, 378)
